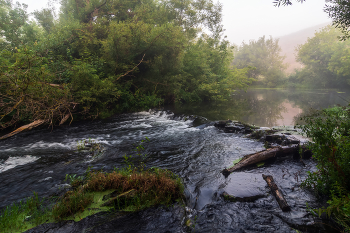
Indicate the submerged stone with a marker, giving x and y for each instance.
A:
(233, 128)
(221, 124)
(241, 199)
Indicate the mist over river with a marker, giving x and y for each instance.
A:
(38, 160)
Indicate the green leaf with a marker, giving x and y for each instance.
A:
(236, 161)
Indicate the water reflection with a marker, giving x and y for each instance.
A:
(266, 107)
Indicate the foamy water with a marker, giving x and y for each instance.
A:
(12, 162)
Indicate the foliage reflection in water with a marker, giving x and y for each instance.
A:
(266, 107)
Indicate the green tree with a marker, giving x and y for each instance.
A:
(15, 29)
(45, 18)
(264, 56)
(325, 58)
(113, 56)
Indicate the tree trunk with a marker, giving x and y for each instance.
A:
(260, 156)
(277, 193)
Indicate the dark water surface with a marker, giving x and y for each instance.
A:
(38, 161)
(267, 107)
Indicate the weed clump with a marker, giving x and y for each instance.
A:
(152, 187)
(72, 202)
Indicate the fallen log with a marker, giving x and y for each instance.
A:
(277, 193)
(260, 156)
(24, 127)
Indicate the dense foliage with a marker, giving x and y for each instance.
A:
(101, 57)
(264, 56)
(325, 59)
(329, 130)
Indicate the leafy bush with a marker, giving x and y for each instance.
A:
(339, 206)
(27, 90)
(329, 131)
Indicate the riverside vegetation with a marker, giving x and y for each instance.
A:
(125, 190)
(329, 130)
(324, 58)
(98, 58)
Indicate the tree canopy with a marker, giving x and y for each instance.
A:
(263, 55)
(325, 59)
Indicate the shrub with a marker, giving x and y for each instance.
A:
(329, 132)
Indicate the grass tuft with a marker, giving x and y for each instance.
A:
(71, 203)
(152, 187)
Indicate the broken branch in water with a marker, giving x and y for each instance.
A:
(277, 193)
(24, 127)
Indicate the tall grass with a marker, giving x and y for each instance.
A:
(21, 216)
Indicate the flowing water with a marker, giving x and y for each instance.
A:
(38, 161)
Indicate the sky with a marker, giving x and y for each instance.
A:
(246, 20)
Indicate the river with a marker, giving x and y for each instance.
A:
(38, 161)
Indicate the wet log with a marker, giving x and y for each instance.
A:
(259, 157)
(23, 128)
(277, 193)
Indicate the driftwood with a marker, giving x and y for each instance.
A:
(24, 127)
(277, 193)
(65, 118)
(260, 156)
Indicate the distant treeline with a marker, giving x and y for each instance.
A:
(97, 58)
(325, 59)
